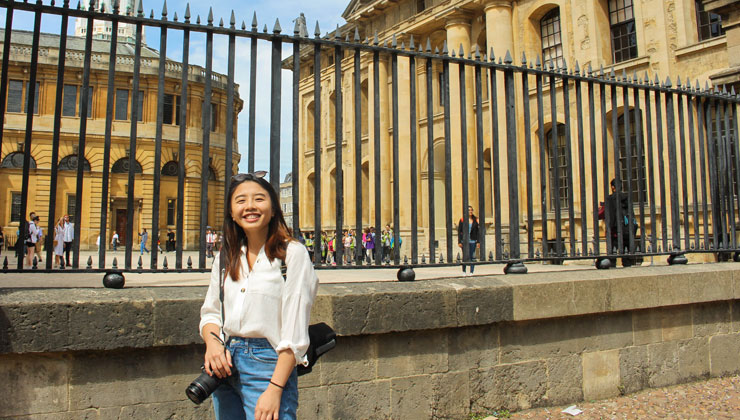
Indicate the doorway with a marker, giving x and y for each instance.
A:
(121, 225)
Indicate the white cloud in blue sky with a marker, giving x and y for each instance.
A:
(326, 12)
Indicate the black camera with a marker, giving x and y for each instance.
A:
(203, 386)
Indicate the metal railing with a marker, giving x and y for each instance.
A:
(678, 147)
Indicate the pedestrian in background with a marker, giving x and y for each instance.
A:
(114, 241)
(2, 241)
(69, 237)
(473, 244)
(144, 237)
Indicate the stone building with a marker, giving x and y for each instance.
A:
(654, 37)
(286, 198)
(11, 156)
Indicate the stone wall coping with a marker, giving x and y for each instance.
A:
(56, 319)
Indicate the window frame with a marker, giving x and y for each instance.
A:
(707, 20)
(622, 28)
(551, 20)
(15, 216)
(561, 150)
(634, 156)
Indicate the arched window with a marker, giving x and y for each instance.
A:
(69, 163)
(121, 166)
(552, 43)
(171, 168)
(15, 160)
(623, 32)
(635, 180)
(559, 160)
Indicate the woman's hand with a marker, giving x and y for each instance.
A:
(268, 404)
(217, 359)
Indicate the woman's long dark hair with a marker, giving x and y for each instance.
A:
(278, 233)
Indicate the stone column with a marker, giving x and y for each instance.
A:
(499, 31)
(458, 34)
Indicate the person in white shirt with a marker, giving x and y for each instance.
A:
(209, 243)
(69, 237)
(31, 239)
(114, 241)
(264, 322)
(59, 243)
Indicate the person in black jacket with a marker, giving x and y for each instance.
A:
(626, 218)
(473, 243)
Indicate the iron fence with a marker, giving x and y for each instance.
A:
(672, 150)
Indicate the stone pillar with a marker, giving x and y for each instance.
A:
(458, 34)
(386, 153)
(499, 35)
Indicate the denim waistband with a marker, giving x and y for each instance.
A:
(258, 342)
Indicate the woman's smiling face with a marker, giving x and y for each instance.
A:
(251, 207)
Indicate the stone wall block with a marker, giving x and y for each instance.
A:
(633, 372)
(549, 338)
(313, 403)
(106, 379)
(693, 359)
(735, 305)
(679, 290)
(543, 300)
(176, 318)
(65, 415)
(663, 369)
(108, 320)
(600, 374)
(412, 353)
(638, 292)
(593, 296)
(564, 380)
(473, 347)
(483, 301)
(647, 326)
(360, 400)
(184, 410)
(676, 323)
(354, 359)
(711, 318)
(34, 328)
(411, 397)
(710, 286)
(33, 385)
(451, 395)
(512, 386)
(724, 354)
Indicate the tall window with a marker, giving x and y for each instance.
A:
(171, 109)
(121, 104)
(709, 24)
(623, 33)
(15, 208)
(420, 6)
(560, 159)
(635, 180)
(71, 206)
(15, 96)
(171, 211)
(69, 101)
(552, 44)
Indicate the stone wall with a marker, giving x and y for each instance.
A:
(430, 349)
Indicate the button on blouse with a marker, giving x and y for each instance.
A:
(263, 304)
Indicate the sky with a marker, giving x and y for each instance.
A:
(326, 12)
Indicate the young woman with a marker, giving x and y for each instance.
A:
(473, 243)
(265, 316)
(59, 243)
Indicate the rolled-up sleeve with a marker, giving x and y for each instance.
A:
(210, 312)
(298, 297)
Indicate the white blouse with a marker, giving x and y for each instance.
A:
(263, 304)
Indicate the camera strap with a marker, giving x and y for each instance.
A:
(221, 281)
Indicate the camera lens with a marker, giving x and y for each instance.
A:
(202, 387)
(196, 393)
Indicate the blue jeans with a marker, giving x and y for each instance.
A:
(472, 246)
(254, 362)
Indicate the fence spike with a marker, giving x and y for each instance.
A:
(732, 91)
(264, 29)
(116, 6)
(5, 263)
(444, 47)
(197, 20)
(187, 13)
(232, 21)
(89, 262)
(277, 29)
(164, 263)
(462, 51)
(656, 82)
(436, 51)
(508, 59)
(537, 253)
(65, 4)
(78, 5)
(140, 266)
(151, 14)
(140, 12)
(102, 6)
(244, 26)
(678, 82)
(190, 263)
(458, 258)
(394, 41)
(423, 259)
(477, 53)
(403, 46)
(441, 258)
(537, 62)
(564, 67)
(337, 33)
(164, 10)
(490, 256)
(115, 263)
(35, 263)
(724, 89)
(500, 62)
(221, 23)
(174, 18)
(411, 43)
(577, 69)
(357, 35)
(612, 74)
(317, 31)
(90, 6)
(590, 70)
(254, 22)
(210, 16)
(405, 259)
(454, 54)
(524, 59)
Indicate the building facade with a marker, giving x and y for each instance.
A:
(12, 153)
(653, 37)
